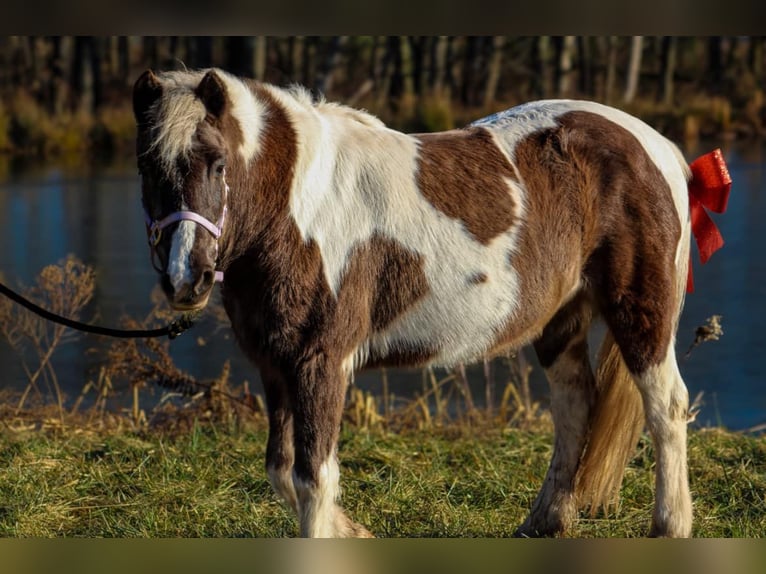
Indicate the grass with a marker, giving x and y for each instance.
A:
(450, 482)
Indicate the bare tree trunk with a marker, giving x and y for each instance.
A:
(418, 52)
(259, 57)
(407, 99)
(149, 49)
(239, 58)
(60, 62)
(123, 61)
(755, 56)
(611, 70)
(199, 50)
(568, 44)
(586, 85)
(469, 70)
(82, 78)
(440, 66)
(96, 59)
(634, 68)
(21, 60)
(379, 48)
(670, 45)
(453, 66)
(542, 60)
(296, 58)
(309, 55)
(715, 63)
(493, 77)
(331, 65)
(178, 52)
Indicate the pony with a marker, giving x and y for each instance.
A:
(341, 244)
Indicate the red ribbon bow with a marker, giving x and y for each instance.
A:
(709, 188)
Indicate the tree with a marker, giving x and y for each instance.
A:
(493, 76)
(669, 48)
(634, 68)
(565, 62)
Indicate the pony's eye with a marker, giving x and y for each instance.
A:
(219, 169)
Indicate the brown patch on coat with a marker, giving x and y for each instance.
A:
(599, 213)
(383, 280)
(402, 356)
(463, 174)
(477, 278)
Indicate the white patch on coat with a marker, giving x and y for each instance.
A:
(179, 261)
(249, 113)
(282, 483)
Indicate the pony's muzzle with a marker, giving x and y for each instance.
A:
(190, 296)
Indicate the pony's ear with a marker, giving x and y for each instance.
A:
(212, 92)
(146, 91)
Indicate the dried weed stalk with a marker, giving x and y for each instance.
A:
(711, 331)
(143, 363)
(64, 289)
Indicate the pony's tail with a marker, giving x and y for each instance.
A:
(615, 425)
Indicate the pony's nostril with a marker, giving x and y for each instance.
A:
(205, 281)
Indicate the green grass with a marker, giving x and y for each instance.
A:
(446, 483)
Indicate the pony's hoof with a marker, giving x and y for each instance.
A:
(347, 528)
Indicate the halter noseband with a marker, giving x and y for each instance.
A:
(155, 227)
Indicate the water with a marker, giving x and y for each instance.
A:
(49, 212)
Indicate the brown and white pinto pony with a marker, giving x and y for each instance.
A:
(350, 245)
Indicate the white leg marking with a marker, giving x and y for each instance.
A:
(317, 510)
(282, 482)
(666, 402)
(179, 265)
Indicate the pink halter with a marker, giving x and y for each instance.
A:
(216, 229)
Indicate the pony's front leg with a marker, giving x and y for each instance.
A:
(279, 450)
(318, 396)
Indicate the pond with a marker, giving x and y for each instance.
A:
(48, 212)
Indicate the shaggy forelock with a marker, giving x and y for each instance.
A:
(175, 119)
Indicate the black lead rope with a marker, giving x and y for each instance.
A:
(173, 330)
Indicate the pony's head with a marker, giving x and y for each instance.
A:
(182, 157)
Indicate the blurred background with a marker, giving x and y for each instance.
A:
(68, 183)
(66, 94)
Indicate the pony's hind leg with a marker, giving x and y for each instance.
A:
(563, 353)
(643, 319)
(318, 395)
(279, 448)
(666, 403)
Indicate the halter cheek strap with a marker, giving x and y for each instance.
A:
(216, 229)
